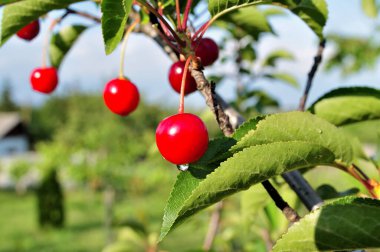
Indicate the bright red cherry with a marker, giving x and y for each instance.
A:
(121, 96)
(208, 51)
(44, 80)
(29, 31)
(175, 78)
(182, 138)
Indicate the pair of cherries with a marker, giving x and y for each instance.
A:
(183, 138)
(207, 51)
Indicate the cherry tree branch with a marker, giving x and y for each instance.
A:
(213, 226)
(84, 14)
(310, 76)
(207, 89)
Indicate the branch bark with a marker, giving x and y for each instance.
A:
(213, 226)
(310, 76)
(207, 89)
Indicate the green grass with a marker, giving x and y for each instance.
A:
(19, 229)
(84, 228)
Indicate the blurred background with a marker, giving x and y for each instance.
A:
(75, 177)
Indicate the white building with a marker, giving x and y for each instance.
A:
(14, 138)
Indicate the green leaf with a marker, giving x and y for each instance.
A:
(248, 53)
(62, 41)
(114, 19)
(348, 105)
(276, 55)
(5, 2)
(298, 126)
(248, 21)
(19, 14)
(345, 224)
(244, 128)
(326, 192)
(312, 12)
(194, 192)
(284, 77)
(369, 7)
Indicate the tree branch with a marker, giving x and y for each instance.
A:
(281, 204)
(213, 226)
(208, 91)
(84, 14)
(310, 76)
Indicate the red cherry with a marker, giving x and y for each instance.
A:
(182, 138)
(208, 51)
(121, 96)
(44, 80)
(29, 31)
(175, 78)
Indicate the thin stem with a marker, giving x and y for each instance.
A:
(163, 20)
(351, 170)
(213, 226)
(199, 30)
(313, 70)
(183, 84)
(290, 214)
(186, 14)
(124, 45)
(178, 14)
(361, 172)
(168, 42)
(48, 35)
(359, 175)
(84, 14)
(162, 25)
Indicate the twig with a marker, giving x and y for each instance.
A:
(208, 91)
(310, 76)
(303, 190)
(289, 212)
(150, 31)
(162, 20)
(213, 226)
(84, 14)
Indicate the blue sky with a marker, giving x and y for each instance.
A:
(88, 68)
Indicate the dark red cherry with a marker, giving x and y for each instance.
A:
(121, 96)
(29, 31)
(175, 78)
(208, 51)
(44, 80)
(182, 138)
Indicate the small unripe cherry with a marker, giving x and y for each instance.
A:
(208, 51)
(182, 138)
(44, 79)
(29, 31)
(121, 96)
(175, 78)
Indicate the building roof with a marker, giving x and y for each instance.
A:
(8, 121)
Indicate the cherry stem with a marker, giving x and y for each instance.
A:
(124, 46)
(163, 26)
(186, 14)
(165, 38)
(163, 20)
(178, 14)
(48, 35)
(352, 170)
(84, 14)
(183, 83)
